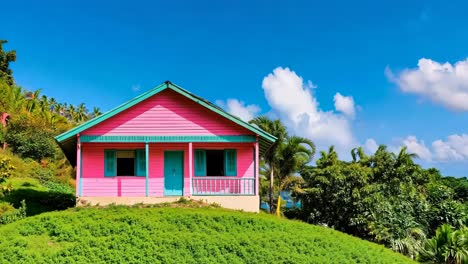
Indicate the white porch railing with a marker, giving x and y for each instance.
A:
(223, 186)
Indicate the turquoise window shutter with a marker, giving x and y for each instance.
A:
(110, 163)
(230, 162)
(140, 162)
(200, 162)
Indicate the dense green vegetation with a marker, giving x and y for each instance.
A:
(176, 235)
(385, 197)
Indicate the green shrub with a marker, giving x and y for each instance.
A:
(30, 139)
(39, 201)
(6, 169)
(5, 207)
(59, 187)
(175, 235)
(8, 214)
(44, 175)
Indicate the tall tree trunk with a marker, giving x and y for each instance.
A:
(271, 189)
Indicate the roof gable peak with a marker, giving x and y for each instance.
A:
(165, 85)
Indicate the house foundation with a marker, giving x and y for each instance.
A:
(245, 203)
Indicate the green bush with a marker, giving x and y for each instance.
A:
(30, 140)
(174, 235)
(39, 201)
(5, 207)
(6, 169)
(59, 187)
(44, 175)
(8, 214)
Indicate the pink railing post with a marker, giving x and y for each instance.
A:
(78, 167)
(257, 170)
(190, 153)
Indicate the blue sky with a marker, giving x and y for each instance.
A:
(257, 57)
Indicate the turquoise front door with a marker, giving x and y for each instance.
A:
(173, 173)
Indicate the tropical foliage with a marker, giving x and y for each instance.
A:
(385, 197)
(34, 175)
(447, 246)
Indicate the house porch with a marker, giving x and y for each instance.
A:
(150, 182)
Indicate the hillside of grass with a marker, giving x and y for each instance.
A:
(39, 186)
(179, 235)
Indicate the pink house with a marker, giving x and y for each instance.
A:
(165, 144)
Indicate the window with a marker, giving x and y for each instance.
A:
(215, 162)
(124, 163)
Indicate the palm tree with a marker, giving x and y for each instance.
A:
(293, 155)
(17, 99)
(96, 112)
(44, 104)
(327, 158)
(33, 100)
(59, 109)
(411, 244)
(52, 104)
(447, 246)
(81, 113)
(404, 157)
(277, 129)
(71, 112)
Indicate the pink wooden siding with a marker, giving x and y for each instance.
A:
(95, 184)
(93, 157)
(114, 187)
(167, 113)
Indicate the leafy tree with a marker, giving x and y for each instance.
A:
(5, 58)
(459, 186)
(333, 193)
(385, 197)
(444, 209)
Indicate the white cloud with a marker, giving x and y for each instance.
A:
(454, 148)
(239, 109)
(136, 87)
(442, 83)
(417, 147)
(344, 104)
(292, 100)
(371, 146)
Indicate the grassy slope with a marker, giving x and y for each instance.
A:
(179, 235)
(39, 198)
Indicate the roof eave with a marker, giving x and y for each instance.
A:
(65, 137)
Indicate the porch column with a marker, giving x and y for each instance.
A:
(257, 165)
(78, 167)
(147, 168)
(190, 157)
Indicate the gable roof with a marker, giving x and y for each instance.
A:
(67, 140)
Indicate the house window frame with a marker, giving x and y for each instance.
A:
(200, 157)
(110, 156)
